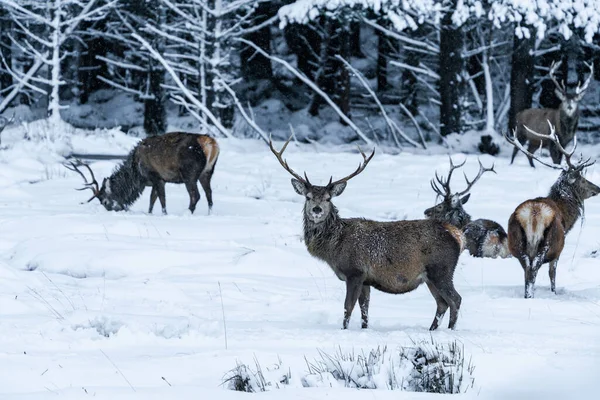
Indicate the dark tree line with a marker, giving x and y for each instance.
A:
(439, 75)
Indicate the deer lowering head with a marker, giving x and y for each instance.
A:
(450, 209)
(565, 119)
(537, 228)
(394, 257)
(175, 157)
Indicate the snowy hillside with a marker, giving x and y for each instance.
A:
(132, 306)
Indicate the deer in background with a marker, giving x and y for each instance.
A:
(564, 120)
(484, 238)
(394, 257)
(171, 158)
(537, 228)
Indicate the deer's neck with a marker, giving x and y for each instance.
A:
(458, 218)
(126, 182)
(322, 238)
(568, 201)
(568, 123)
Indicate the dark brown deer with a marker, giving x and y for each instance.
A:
(484, 237)
(564, 119)
(537, 228)
(171, 158)
(394, 257)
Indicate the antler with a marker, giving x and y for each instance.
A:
(580, 90)
(482, 170)
(553, 68)
(284, 163)
(445, 184)
(361, 168)
(93, 185)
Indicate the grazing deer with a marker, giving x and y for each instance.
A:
(564, 119)
(485, 238)
(171, 158)
(537, 228)
(394, 257)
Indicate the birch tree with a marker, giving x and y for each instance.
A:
(45, 27)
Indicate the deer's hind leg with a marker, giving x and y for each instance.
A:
(442, 306)
(440, 276)
(363, 302)
(205, 178)
(192, 188)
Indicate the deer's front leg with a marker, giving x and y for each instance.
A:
(354, 287)
(153, 197)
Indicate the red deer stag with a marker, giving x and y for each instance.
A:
(564, 119)
(394, 257)
(485, 238)
(171, 158)
(537, 228)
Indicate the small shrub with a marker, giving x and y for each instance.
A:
(425, 367)
(244, 378)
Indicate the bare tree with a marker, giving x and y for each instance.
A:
(44, 28)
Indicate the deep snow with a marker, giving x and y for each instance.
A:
(105, 304)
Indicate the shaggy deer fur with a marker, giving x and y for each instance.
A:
(537, 228)
(394, 257)
(564, 119)
(485, 238)
(171, 158)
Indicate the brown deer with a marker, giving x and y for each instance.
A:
(564, 119)
(537, 228)
(484, 237)
(171, 158)
(394, 257)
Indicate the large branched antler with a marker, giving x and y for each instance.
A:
(553, 137)
(559, 85)
(580, 89)
(361, 168)
(482, 170)
(93, 185)
(284, 163)
(444, 188)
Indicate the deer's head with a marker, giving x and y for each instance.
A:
(102, 193)
(569, 101)
(318, 206)
(571, 178)
(450, 209)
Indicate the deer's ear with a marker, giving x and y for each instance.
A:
(560, 95)
(337, 189)
(299, 187)
(465, 199)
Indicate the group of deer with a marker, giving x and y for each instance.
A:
(393, 257)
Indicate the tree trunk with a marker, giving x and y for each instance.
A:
(384, 49)
(305, 43)
(254, 65)
(521, 76)
(6, 48)
(547, 97)
(354, 39)
(451, 77)
(155, 111)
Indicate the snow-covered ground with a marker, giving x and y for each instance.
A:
(130, 305)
